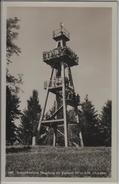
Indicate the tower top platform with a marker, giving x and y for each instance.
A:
(56, 56)
(61, 53)
(61, 34)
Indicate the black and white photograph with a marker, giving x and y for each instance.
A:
(60, 95)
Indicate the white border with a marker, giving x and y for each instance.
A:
(113, 5)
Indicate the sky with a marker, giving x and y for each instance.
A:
(90, 37)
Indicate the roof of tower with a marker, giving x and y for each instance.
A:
(61, 34)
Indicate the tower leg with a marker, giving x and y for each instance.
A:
(43, 111)
(42, 114)
(81, 139)
(78, 121)
(55, 136)
(80, 133)
(70, 77)
(33, 141)
(64, 106)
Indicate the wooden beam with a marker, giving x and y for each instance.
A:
(64, 106)
(70, 77)
(55, 87)
(43, 111)
(54, 136)
(55, 113)
(70, 124)
(78, 121)
(52, 121)
(76, 108)
(60, 132)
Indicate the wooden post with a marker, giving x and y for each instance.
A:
(76, 109)
(55, 128)
(33, 141)
(70, 77)
(54, 136)
(81, 139)
(80, 133)
(64, 106)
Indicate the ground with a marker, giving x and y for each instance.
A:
(59, 162)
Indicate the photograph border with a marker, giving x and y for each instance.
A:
(113, 5)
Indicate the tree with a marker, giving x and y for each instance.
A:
(89, 123)
(12, 34)
(13, 84)
(73, 128)
(106, 122)
(12, 113)
(30, 119)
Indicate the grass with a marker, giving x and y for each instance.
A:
(60, 162)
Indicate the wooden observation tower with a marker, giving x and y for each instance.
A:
(61, 59)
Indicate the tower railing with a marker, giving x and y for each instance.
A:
(58, 52)
(56, 82)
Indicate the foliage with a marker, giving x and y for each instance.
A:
(13, 84)
(73, 128)
(12, 113)
(30, 119)
(106, 123)
(89, 123)
(12, 48)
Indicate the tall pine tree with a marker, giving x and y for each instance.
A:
(30, 119)
(12, 114)
(13, 83)
(106, 122)
(89, 123)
